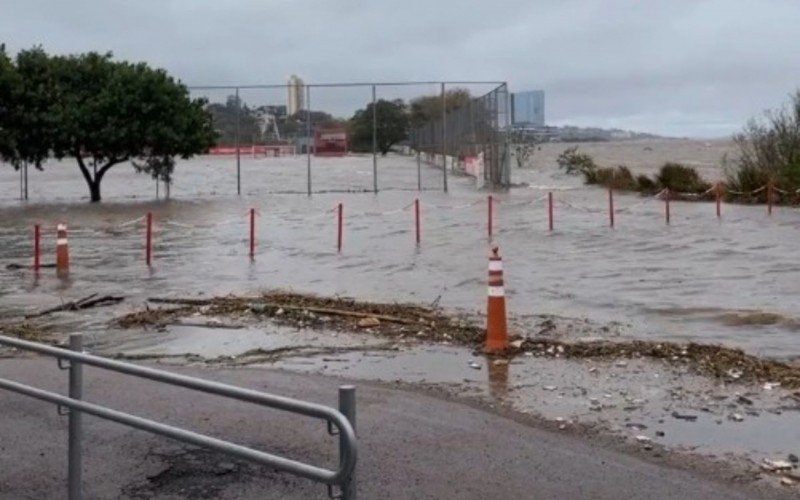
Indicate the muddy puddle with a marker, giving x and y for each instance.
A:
(669, 407)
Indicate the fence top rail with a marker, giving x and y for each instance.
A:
(346, 84)
(247, 395)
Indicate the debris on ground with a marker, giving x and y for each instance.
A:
(24, 331)
(776, 465)
(684, 416)
(411, 321)
(370, 322)
(85, 303)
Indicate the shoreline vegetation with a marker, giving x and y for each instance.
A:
(765, 168)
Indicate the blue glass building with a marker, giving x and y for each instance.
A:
(527, 108)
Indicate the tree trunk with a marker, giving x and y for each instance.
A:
(94, 190)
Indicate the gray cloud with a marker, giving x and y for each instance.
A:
(681, 67)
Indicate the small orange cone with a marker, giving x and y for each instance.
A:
(496, 328)
(62, 251)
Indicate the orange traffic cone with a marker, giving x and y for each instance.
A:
(62, 251)
(496, 329)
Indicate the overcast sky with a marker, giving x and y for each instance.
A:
(677, 67)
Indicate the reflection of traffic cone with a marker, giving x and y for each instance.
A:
(62, 250)
(498, 377)
(496, 334)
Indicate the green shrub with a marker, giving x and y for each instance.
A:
(573, 163)
(768, 150)
(646, 184)
(619, 178)
(680, 178)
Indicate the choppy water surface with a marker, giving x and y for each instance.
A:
(733, 281)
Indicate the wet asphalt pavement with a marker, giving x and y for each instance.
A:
(411, 446)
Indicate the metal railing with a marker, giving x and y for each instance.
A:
(343, 420)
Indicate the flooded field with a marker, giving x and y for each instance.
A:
(733, 281)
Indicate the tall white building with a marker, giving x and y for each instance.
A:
(296, 96)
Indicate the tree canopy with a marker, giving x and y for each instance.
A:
(392, 126)
(429, 108)
(100, 112)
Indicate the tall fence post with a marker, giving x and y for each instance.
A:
(374, 141)
(419, 171)
(74, 452)
(347, 407)
(340, 229)
(416, 220)
(149, 239)
(308, 137)
(718, 196)
(611, 208)
(666, 205)
(489, 215)
(550, 211)
(37, 251)
(238, 130)
(769, 198)
(444, 135)
(252, 233)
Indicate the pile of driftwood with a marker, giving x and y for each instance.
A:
(85, 303)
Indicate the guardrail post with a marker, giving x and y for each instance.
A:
(75, 461)
(347, 406)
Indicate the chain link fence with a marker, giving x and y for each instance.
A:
(268, 136)
(471, 138)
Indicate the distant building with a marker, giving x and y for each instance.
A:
(527, 108)
(330, 141)
(296, 98)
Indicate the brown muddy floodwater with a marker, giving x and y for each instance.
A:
(733, 281)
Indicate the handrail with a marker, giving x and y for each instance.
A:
(348, 447)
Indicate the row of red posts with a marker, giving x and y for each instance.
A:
(62, 249)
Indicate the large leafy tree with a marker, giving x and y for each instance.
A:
(103, 113)
(9, 87)
(392, 126)
(26, 94)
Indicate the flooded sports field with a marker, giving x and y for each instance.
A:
(732, 280)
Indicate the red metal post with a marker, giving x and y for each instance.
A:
(149, 238)
(666, 205)
(37, 236)
(252, 233)
(489, 226)
(611, 207)
(416, 220)
(550, 210)
(339, 239)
